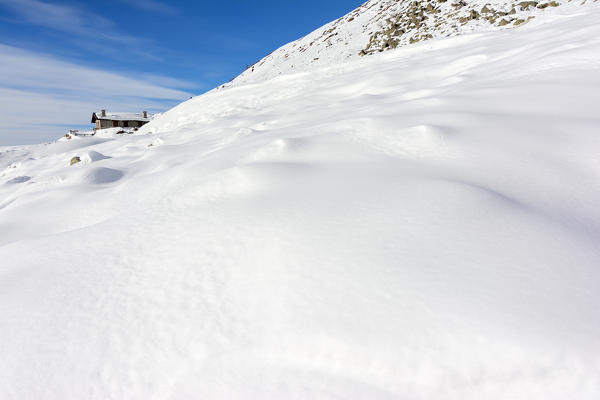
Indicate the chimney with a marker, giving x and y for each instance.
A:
(103, 113)
(145, 114)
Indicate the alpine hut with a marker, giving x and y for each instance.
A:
(102, 119)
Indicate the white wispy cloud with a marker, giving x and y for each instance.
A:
(50, 15)
(150, 5)
(21, 68)
(68, 18)
(38, 92)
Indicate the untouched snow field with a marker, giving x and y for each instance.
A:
(418, 224)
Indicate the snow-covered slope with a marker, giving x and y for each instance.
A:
(380, 25)
(419, 224)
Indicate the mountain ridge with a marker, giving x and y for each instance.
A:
(382, 25)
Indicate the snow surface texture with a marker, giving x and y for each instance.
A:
(419, 224)
(380, 25)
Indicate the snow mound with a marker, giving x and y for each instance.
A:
(104, 175)
(92, 156)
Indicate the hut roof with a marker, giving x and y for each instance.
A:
(119, 116)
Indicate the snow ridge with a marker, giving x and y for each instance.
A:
(380, 25)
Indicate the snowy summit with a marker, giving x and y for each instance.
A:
(360, 215)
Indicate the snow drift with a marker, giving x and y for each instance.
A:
(419, 224)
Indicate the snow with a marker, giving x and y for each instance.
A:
(98, 133)
(121, 116)
(345, 38)
(418, 224)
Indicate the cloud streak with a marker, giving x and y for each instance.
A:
(38, 92)
(25, 69)
(69, 19)
(150, 5)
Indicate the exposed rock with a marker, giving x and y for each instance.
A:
(472, 15)
(526, 4)
(75, 160)
(401, 22)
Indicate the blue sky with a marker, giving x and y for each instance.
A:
(62, 60)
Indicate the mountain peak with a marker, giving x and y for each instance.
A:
(381, 25)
